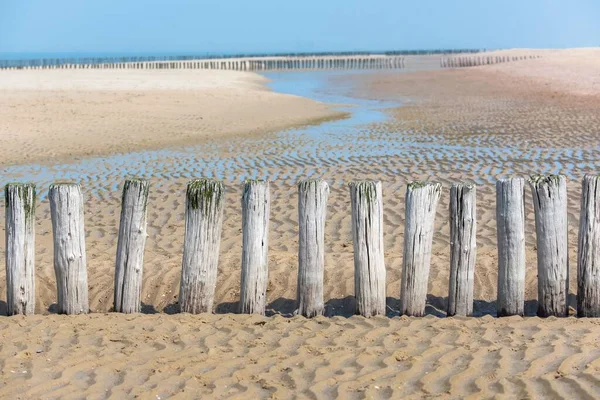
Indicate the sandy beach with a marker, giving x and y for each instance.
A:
(242, 356)
(467, 124)
(56, 115)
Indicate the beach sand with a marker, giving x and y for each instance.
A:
(250, 357)
(474, 124)
(50, 115)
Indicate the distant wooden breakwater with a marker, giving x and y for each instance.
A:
(474, 61)
(55, 62)
(203, 221)
(243, 64)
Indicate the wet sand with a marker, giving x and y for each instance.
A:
(474, 124)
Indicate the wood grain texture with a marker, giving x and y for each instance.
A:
(463, 248)
(203, 222)
(70, 263)
(421, 204)
(588, 254)
(256, 208)
(550, 204)
(20, 248)
(312, 210)
(367, 233)
(510, 227)
(129, 265)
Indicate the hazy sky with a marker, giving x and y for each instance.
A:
(293, 25)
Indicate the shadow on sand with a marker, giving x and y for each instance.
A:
(342, 307)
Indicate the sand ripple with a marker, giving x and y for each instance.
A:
(238, 356)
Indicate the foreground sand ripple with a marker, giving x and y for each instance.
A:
(238, 356)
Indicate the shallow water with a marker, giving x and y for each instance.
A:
(342, 136)
(358, 140)
(222, 160)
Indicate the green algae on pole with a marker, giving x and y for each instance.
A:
(70, 264)
(203, 222)
(421, 203)
(203, 192)
(312, 210)
(256, 208)
(367, 234)
(549, 194)
(130, 247)
(20, 248)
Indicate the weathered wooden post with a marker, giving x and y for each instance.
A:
(510, 226)
(256, 204)
(367, 233)
(20, 248)
(421, 203)
(550, 205)
(203, 221)
(463, 249)
(588, 254)
(70, 264)
(312, 210)
(130, 246)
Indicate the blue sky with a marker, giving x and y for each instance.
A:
(226, 26)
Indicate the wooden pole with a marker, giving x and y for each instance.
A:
(70, 265)
(510, 225)
(20, 248)
(367, 233)
(588, 255)
(256, 204)
(421, 203)
(463, 249)
(130, 246)
(550, 204)
(312, 209)
(203, 221)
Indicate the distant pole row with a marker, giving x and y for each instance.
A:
(203, 223)
(474, 61)
(46, 62)
(249, 64)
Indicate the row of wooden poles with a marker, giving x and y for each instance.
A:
(38, 62)
(203, 221)
(474, 61)
(250, 64)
